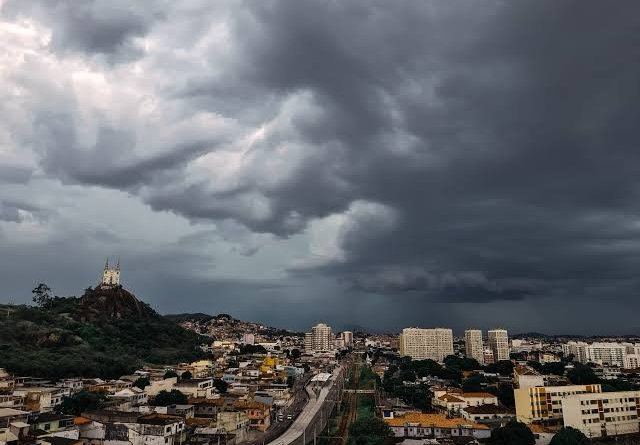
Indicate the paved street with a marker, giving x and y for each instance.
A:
(277, 428)
(308, 413)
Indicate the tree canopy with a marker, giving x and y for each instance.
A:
(569, 436)
(513, 433)
(369, 430)
(166, 398)
(81, 401)
(582, 375)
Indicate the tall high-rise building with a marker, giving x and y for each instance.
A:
(498, 340)
(319, 339)
(420, 344)
(473, 344)
(347, 337)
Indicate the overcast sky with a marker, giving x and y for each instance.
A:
(374, 163)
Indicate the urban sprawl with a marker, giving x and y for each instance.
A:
(424, 386)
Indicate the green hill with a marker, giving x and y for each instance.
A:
(104, 333)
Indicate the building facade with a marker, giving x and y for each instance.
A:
(421, 344)
(544, 403)
(319, 339)
(473, 345)
(603, 414)
(601, 353)
(498, 340)
(110, 275)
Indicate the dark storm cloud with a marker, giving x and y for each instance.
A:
(522, 154)
(496, 143)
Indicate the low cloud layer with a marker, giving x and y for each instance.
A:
(422, 163)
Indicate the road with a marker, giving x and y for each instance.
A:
(308, 414)
(277, 428)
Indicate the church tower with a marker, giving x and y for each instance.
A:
(110, 276)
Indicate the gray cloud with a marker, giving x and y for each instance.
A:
(494, 147)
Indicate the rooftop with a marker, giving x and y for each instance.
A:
(434, 420)
(477, 394)
(7, 412)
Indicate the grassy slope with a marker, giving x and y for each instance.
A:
(55, 343)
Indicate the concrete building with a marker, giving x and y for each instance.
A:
(418, 425)
(487, 357)
(347, 337)
(600, 353)
(603, 414)
(421, 344)
(526, 377)
(544, 403)
(498, 340)
(319, 339)
(473, 345)
(632, 361)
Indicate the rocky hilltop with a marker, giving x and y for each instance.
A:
(107, 332)
(114, 302)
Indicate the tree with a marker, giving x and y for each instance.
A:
(582, 375)
(186, 375)
(555, 368)
(513, 433)
(369, 430)
(569, 436)
(166, 398)
(220, 385)
(170, 373)
(41, 295)
(463, 364)
(504, 393)
(142, 382)
(535, 365)
(474, 383)
(295, 354)
(503, 367)
(81, 401)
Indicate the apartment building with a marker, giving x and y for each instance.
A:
(632, 361)
(421, 344)
(498, 340)
(526, 377)
(319, 339)
(473, 345)
(600, 353)
(603, 414)
(544, 403)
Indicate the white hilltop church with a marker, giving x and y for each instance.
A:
(110, 276)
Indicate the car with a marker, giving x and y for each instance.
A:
(289, 416)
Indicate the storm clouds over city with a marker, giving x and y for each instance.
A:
(371, 163)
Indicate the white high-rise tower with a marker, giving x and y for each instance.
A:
(499, 344)
(473, 344)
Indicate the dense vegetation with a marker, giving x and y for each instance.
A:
(66, 337)
(569, 436)
(166, 398)
(80, 402)
(368, 430)
(513, 433)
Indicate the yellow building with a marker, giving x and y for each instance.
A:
(269, 363)
(544, 403)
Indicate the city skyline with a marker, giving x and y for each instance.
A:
(362, 164)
